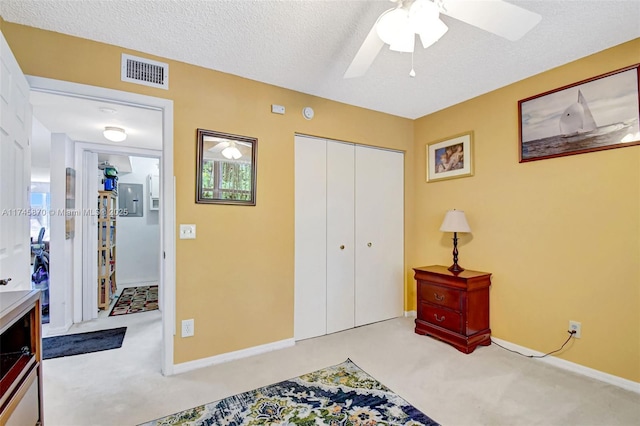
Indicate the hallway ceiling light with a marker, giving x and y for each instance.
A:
(114, 134)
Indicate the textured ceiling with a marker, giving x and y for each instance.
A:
(84, 120)
(308, 45)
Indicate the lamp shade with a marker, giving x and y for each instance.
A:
(455, 221)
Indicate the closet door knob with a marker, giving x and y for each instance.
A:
(342, 247)
(369, 245)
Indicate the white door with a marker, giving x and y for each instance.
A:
(15, 173)
(310, 306)
(340, 236)
(379, 214)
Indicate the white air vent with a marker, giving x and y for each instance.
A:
(145, 71)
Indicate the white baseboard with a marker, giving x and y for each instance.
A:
(410, 313)
(231, 356)
(57, 331)
(572, 366)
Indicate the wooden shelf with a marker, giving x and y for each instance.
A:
(106, 248)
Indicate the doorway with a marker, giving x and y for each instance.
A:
(78, 290)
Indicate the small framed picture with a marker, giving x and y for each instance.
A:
(450, 158)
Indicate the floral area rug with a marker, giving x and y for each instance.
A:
(339, 395)
(136, 299)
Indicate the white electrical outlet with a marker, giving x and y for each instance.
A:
(577, 327)
(187, 328)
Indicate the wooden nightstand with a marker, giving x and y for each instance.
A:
(454, 307)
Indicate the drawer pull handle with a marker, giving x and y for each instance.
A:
(438, 319)
(342, 247)
(438, 297)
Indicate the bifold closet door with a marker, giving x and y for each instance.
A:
(310, 305)
(379, 219)
(340, 236)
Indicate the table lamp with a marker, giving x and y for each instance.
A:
(455, 221)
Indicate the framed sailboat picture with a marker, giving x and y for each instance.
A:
(591, 115)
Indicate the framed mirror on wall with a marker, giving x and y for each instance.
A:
(226, 168)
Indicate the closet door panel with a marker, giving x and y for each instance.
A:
(310, 238)
(340, 236)
(379, 235)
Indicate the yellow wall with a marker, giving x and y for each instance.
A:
(236, 278)
(561, 236)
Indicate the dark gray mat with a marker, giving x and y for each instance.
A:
(82, 343)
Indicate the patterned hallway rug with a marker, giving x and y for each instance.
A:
(136, 299)
(338, 395)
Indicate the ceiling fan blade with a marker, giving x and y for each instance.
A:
(219, 146)
(366, 54)
(496, 16)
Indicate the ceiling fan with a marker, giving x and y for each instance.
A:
(399, 25)
(230, 149)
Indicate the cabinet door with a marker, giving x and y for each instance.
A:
(310, 274)
(340, 236)
(379, 228)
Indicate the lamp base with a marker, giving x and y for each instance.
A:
(455, 268)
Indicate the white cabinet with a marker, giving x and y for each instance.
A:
(349, 245)
(153, 182)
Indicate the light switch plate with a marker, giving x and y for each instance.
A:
(187, 232)
(277, 109)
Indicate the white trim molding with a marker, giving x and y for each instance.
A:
(167, 213)
(573, 367)
(232, 356)
(410, 314)
(55, 331)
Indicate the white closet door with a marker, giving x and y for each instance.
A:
(379, 234)
(340, 236)
(310, 315)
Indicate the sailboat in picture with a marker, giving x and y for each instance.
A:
(577, 119)
(592, 115)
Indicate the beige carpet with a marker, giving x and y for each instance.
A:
(488, 387)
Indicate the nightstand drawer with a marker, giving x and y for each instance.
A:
(441, 317)
(439, 295)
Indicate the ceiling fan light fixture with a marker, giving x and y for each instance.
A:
(404, 41)
(422, 14)
(392, 23)
(231, 152)
(433, 33)
(114, 134)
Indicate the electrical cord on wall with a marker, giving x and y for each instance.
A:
(571, 333)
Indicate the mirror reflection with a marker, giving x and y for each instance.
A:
(226, 168)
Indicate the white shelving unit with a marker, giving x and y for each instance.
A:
(107, 201)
